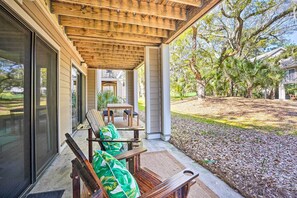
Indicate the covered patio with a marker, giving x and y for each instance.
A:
(83, 37)
(160, 154)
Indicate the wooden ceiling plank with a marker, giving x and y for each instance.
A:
(111, 56)
(115, 59)
(71, 31)
(110, 15)
(102, 55)
(102, 51)
(110, 50)
(112, 26)
(137, 7)
(76, 39)
(195, 3)
(111, 67)
(110, 46)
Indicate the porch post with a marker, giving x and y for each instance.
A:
(165, 74)
(152, 92)
(282, 92)
(129, 87)
(99, 80)
(135, 89)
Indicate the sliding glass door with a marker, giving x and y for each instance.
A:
(45, 104)
(28, 105)
(76, 91)
(15, 53)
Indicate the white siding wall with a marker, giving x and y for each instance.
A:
(153, 92)
(130, 87)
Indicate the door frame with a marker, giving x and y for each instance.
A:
(82, 91)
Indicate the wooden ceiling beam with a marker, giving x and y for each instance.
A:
(108, 53)
(123, 64)
(112, 26)
(112, 56)
(113, 67)
(113, 64)
(110, 46)
(112, 52)
(110, 60)
(137, 7)
(195, 3)
(110, 35)
(115, 42)
(68, 9)
(120, 61)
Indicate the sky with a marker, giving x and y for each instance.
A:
(293, 37)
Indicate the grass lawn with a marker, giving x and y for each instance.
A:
(266, 115)
(177, 98)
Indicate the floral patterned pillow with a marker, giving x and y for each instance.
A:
(116, 179)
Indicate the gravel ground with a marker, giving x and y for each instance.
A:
(256, 164)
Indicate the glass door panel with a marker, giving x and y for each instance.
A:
(76, 90)
(15, 54)
(45, 104)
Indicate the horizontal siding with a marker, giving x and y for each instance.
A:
(66, 56)
(91, 89)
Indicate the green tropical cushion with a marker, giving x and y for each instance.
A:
(116, 179)
(116, 152)
(109, 132)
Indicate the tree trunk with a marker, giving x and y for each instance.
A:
(200, 84)
(249, 93)
(231, 90)
(200, 89)
(271, 94)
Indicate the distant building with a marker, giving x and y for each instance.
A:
(290, 66)
(112, 80)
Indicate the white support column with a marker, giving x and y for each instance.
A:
(96, 88)
(99, 80)
(135, 89)
(129, 87)
(282, 91)
(153, 93)
(165, 74)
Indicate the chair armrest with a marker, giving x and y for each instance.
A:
(130, 153)
(131, 129)
(114, 140)
(173, 184)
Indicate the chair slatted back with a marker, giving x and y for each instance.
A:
(84, 167)
(95, 120)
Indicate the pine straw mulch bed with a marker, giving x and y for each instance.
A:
(257, 164)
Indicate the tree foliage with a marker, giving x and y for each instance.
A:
(220, 49)
(106, 97)
(11, 75)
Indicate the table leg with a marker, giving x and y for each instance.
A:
(108, 114)
(132, 112)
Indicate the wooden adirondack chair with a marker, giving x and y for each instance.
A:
(150, 184)
(96, 121)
